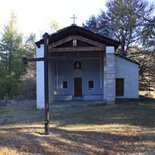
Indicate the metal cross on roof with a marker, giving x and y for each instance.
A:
(74, 18)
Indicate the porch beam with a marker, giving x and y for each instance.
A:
(92, 42)
(76, 49)
(57, 43)
(77, 37)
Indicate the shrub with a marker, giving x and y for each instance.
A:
(9, 86)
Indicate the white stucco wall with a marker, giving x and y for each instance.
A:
(40, 78)
(130, 72)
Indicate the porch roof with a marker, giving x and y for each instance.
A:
(76, 30)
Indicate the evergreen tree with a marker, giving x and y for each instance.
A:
(11, 42)
(11, 67)
(91, 24)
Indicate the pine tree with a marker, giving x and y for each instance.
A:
(11, 67)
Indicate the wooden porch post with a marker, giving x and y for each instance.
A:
(45, 36)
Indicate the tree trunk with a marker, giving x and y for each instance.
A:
(123, 52)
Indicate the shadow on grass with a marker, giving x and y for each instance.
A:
(78, 142)
(62, 141)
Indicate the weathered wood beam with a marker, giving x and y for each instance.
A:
(92, 42)
(55, 58)
(62, 41)
(25, 60)
(79, 38)
(76, 49)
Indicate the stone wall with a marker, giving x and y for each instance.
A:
(109, 75)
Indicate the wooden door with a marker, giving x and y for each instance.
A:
(120, 87)
(77, 87)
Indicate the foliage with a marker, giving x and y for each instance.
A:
(91, 24)
(11, 66)
(11, 85)
(146, 60)
(55, 26)
(146, 56)
(124, 20)
(30, 43)
(148, 34)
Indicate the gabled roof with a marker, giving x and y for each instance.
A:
(76, 30)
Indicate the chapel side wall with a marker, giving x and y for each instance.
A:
(130, 72)
(40, 78)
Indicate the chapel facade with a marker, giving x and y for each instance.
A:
(84, 66)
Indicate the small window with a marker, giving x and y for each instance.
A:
(120, 87)
(65, 84)
(90, 84)
(77, 65)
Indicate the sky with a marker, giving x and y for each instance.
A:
(34, 16)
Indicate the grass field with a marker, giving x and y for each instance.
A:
(124, 128)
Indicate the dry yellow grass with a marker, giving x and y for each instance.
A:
(126, 128)
(147, 94)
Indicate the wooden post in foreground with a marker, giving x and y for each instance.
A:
(45, 36)
(46, 93)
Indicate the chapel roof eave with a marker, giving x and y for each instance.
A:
(76, 30)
